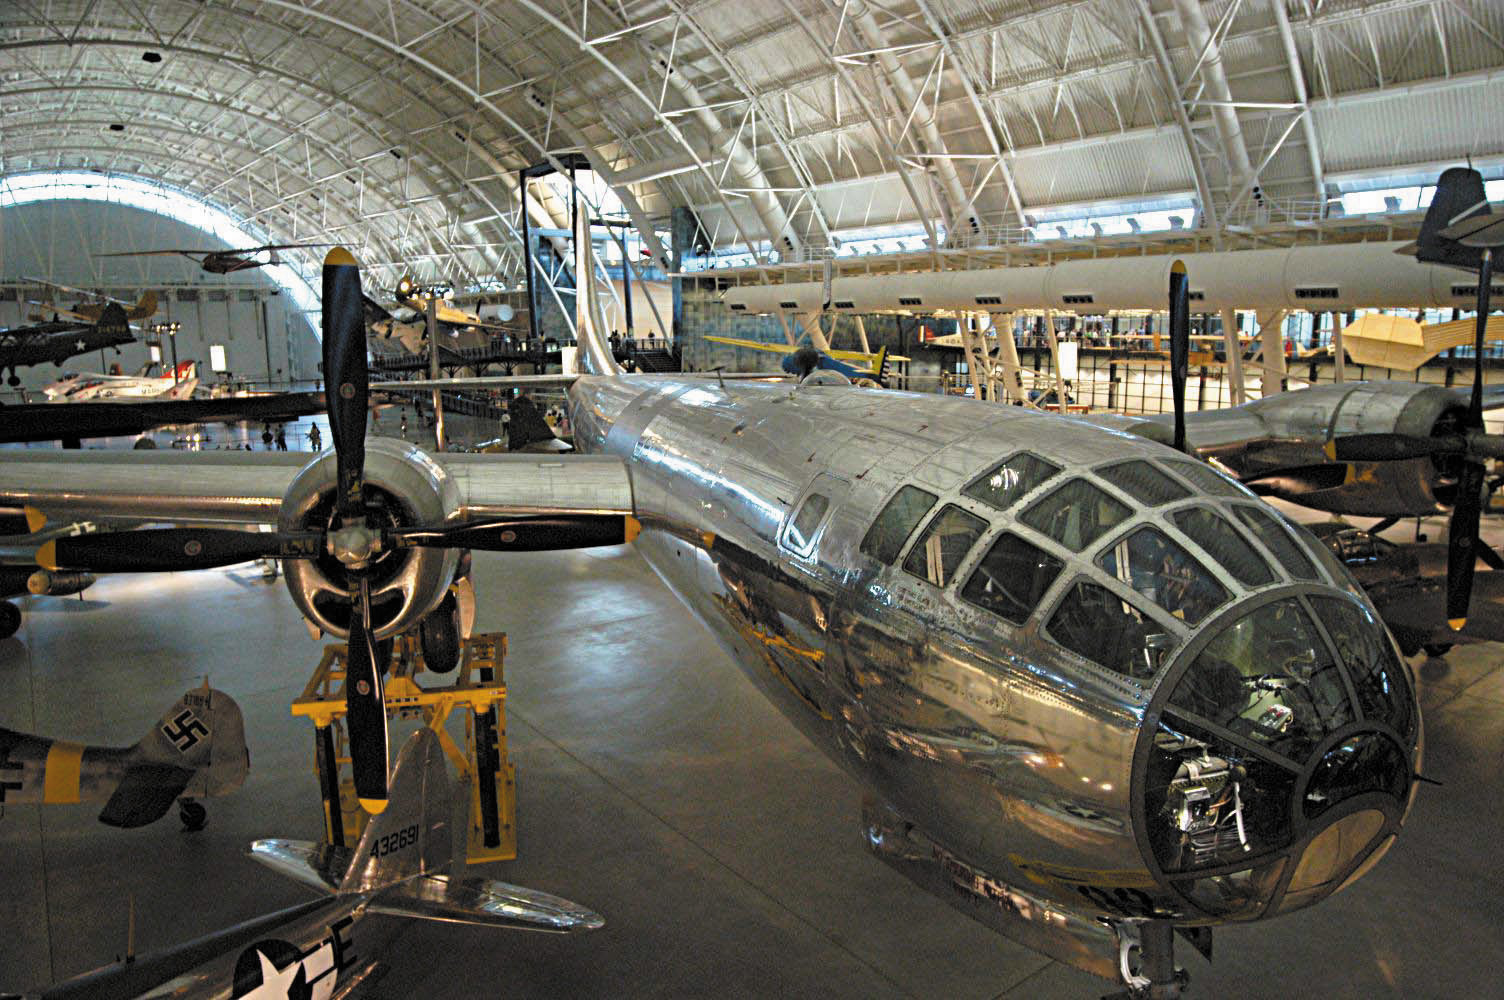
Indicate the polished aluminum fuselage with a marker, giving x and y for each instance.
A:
(999, 767)
(1001, 744)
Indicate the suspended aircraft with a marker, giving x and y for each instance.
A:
(225, 261)
(91, 307)
(410, 327)
(196, 750)
(58, 340)
(324, 947)
(1095, 692)
(803, 360)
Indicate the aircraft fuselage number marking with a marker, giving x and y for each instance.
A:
(185, 730)
(395, 841)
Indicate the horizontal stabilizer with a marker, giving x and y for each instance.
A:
(484, 903)
(144, 795)
(318, 866)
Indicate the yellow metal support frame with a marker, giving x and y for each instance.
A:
(482, 763)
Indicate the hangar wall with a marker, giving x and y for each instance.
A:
(265, 335)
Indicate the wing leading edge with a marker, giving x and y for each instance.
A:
(248, 487)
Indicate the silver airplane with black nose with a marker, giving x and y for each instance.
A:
(1093, 690)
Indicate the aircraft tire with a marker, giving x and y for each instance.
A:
(10, 619)
(1436, 650)
(439, 636)
(193, 815)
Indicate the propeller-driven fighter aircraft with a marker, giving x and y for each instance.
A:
(196, 750)
(225, 261)
(803, 360)
(93, 304)
(58, 340)
(324, 947)
(1094, 691)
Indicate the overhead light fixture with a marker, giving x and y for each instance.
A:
(151, 57)
(116, 127)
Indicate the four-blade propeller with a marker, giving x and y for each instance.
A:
(351, 537)
(1458, 231)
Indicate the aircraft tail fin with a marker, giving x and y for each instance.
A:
(203, 732)
(880, 365)
(411, 836)
(196, 750)
(595, 357)
(114, 322)
(403, 857)
(1459, 195)
(145, 307)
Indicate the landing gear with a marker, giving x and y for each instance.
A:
(1150, 946)
(193, 815)
(10, 619)
(439, 636)
(1436, 650)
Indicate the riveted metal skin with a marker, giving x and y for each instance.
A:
(406, 583)
(999, 766)
(1275, 444)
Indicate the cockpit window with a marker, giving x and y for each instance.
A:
(1004, 483)
(1143, 482)
(1268, 677)
(944, 545)
(1224, 542)
(1106, 629)
(1011, 578)
(1076, 514)
(801, 530)
(1162, 571)
(1376, 674)
(884, 540)
(1278, 540)
(1208, 480)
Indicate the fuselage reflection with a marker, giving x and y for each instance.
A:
(983, 613)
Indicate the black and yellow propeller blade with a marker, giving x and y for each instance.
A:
(168, 550)
(346, 378)
(522, 534)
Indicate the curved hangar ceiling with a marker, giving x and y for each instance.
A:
(400, 127)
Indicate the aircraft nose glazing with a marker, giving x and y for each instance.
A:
(1277, 757)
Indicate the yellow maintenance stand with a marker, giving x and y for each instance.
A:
(482, 764)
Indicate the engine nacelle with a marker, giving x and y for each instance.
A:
(55, 583)
(1275, 446)
(406, 487)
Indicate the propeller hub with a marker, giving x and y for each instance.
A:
(354, 544)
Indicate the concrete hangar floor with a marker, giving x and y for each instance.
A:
(658, 788)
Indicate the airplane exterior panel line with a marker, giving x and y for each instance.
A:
(1021, 678)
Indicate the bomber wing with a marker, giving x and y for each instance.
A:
(248, 487)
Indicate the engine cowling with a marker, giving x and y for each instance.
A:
(1275, 446)
(54, 583)
(405, 487)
